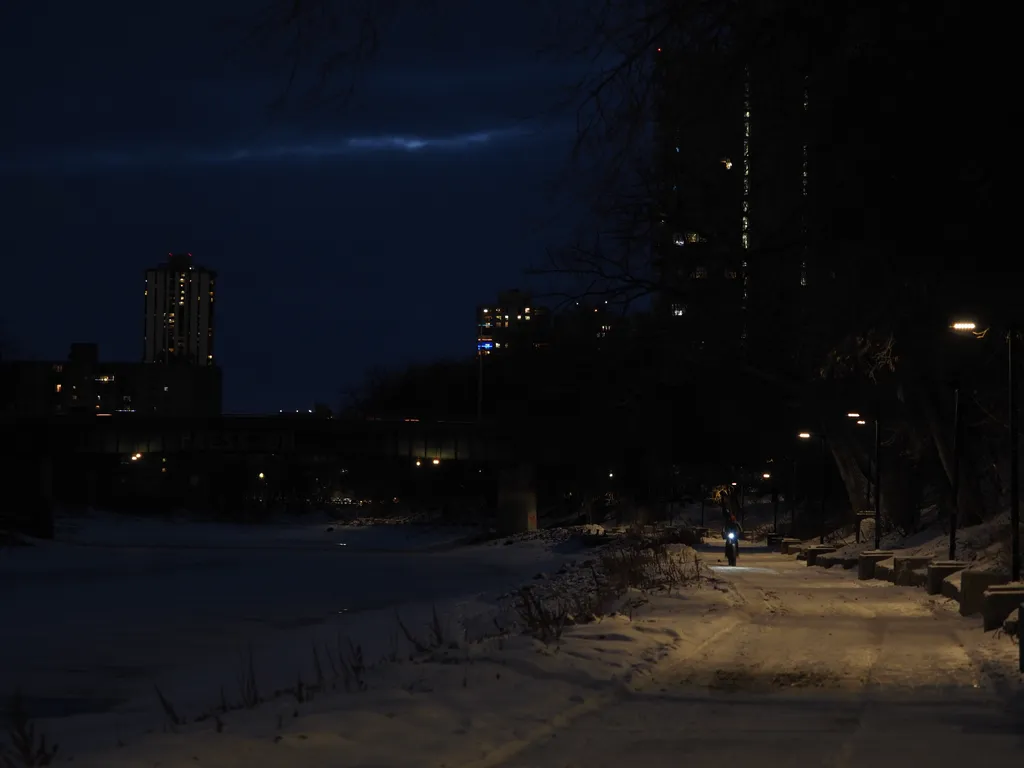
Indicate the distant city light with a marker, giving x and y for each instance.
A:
(436, 462)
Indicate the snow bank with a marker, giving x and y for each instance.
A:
(983, 545)
(417, 679)
(462, 702)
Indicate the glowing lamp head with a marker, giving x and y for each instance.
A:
(963, 326)
(804, 435)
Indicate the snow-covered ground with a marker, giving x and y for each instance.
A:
(652, 680)
(96, 620)
(758, 668)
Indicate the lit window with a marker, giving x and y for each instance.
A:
(678, 310)
(58, 368)
(58, 388)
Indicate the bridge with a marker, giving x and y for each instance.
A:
(257, 462)
(297, 435)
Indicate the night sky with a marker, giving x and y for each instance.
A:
(344, 240)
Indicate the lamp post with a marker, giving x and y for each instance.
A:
(775, 503)
(958, 418)
(824, 480)
(969, 326)
(861, 422)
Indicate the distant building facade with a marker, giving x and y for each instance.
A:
(85, 384)
(179, 312)
(514, 322)
(590, 325)
(730, 238)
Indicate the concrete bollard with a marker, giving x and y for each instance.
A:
(866, 562)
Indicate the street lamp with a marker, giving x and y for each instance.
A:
(969, 326)
(824, 479)
(878, 477)
(775, 502)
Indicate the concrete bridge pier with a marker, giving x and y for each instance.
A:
(517, 499)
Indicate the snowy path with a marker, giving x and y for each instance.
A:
(823, 670)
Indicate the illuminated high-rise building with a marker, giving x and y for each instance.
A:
(730, 242)
(179, 303)
(512, 323)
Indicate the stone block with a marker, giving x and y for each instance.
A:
(905, 565)
(831, 561)
(790, 546)
(885, 570)
(866, 562)
(998, 602)
(951, 585)
(972, 589)
(814, 553)
(937, 573)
